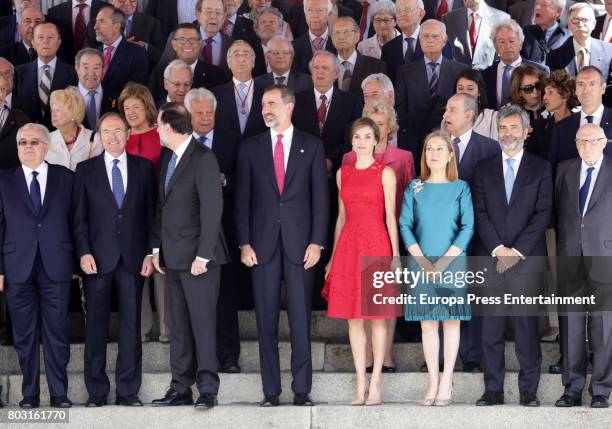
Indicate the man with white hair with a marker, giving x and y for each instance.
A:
(581, 49)
(9, 31)
(279, 56)
(202, 104)
(317, 38)
(22, 52)
(547, 33)
(178, 79)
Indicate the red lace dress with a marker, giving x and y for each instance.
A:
(349, 287)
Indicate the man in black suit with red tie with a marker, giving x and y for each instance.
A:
(22, 52)
(318, 36)
(113, 205)
(281, 213)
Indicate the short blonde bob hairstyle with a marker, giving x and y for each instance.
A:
(71, 99)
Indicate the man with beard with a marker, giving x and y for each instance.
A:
(512, 232)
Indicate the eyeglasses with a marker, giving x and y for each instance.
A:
(405, 10)
(186, 85)
(343, 32)
(190, 40)
(383, 21)
(280, 53)
(33, 143)
(241, 55)
(577, 20)
(590, 142)
(528, 89)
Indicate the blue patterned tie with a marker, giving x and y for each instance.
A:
(118, 191)
(584, 190)
(202, 140)
(91, 110)
(242, 118)
(509, 179)
(433, 82)
(170, 171)
(505, 85)
(456, 142)
(35, 193)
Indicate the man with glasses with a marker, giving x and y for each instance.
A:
(279, 56)
(317, 38)
(178, 79)
(211, 16)
(38, 264)
(581, 49)
(9, 31)
(23, 52)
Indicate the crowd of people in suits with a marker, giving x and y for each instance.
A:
(193, 156)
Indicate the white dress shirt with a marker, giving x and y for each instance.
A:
(324, 36)
(463, 144)
(84, 148)
(500, 75)
(286, 76)
(352, 59)
(86, 11)
(287, 139)
(597, 115)
(51, 65)
(122, 165)
(216, 46)
(415, 36)
(328, 94)
(185, 10)
(209, 138)
(583, 174)
(42, 171)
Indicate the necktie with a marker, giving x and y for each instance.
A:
(456, 142)
(108, 55)
(509, 178)
(228, 28)
(505, 85)
(44, 89)
(170, 172)
(346, 76)
(32, 54)
(410, 50)
(363, 23)
(79, 28)
(589, 119)
(128, 28)
(433, 82)
(279, 163)
(322, 112)
(92, 117)
(318, 43)
(117, 179)
(581, 58)
(243, 106)
(208, 51)
(442, 9)
(473, 32)
(280, 80)
(202, 140)
(584, 190)
(35, 193)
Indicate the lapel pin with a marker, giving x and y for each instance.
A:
(301, 150)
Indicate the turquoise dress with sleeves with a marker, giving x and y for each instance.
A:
(436, 216)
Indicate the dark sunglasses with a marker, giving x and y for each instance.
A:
(528, 89)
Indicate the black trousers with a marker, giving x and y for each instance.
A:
(39, 309)
(228, 333)
(191, 306)
(98, 292)
(266, 290)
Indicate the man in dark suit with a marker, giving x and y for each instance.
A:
(10, 121)
(355, 67)
(267, 24)
(22, 52)
(281, 213)
(420, 92)
(166, 11)
(240, 100)
(546, 33)
(436, 9)
(512, 230)
(237, 26)
(35, 81)
(72, 18)
(508, 39)
(123, 61)
(89, 64)
(201, 104)
(590, 87)
(189, 245)
(588, 51)
(317, 37)
(37, 264)
(280, 56)
(8, 24)
(582, 203)
(524, 12)
(602, 30)
(113, 207)
(178, 80)
(296, 16)
(187, 44)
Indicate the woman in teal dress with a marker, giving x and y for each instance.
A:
(437, 224)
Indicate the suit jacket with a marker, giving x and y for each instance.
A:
(303, 52)
(129, 64)
(22, 233)
(6, 7)
(599, 24)
(490, 77)
(393, 54)
(535, 47)
(431, 7)
(563, 141)
(204, 75)
(297, 19)
(523, 12)
(227, 111)
(8, 27)
(166, 12)
(478, 148)
(364, 66)
(188, 215)
(457, 30)
(297, 81)
(521, 223)
(16, 53)
(168, 54)
(343, 109)
(110, 233)
(297, 217)
(25, 92)
(243, 30)
(8, 138)
(225, 147)
(61, 15)
(563, 58)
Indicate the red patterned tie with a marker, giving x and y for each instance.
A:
(79, 28)
(322, 113)
(279, 163)
(228, 28)
(442, 9)
(364, 20)
(473, 32)
(208, 51)
(108, 54)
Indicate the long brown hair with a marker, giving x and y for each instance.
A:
(452, 172)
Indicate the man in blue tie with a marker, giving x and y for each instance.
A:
(113, 209)
(36, 264)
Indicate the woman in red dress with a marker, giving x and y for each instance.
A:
(366, 226)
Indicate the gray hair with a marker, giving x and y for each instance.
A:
(88, 51)
(384, 7)
(512, 25)
(33, 126)
(470, 104)
(239, 42)
(200, 94)
(578, 7)
(436, 22)
(559, 4)
(381, 79)
(349, 19)
(271, 10)
(177, 64)
(324, 53)
(281, 38)
(329, 5)
(513, 110)
(11, 66)
(117, 17)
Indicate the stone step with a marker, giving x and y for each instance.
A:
(331, 357)
(334, 416)
(327, 388)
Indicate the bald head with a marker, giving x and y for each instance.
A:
(591, 141)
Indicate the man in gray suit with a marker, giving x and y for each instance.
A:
(469, 32)
(583, 204)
